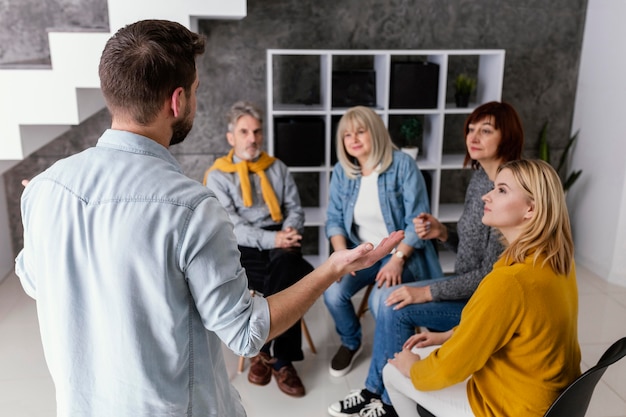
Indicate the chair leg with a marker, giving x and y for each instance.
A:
(305, 331)
(363, 306)
(242, 361)
(307, 335)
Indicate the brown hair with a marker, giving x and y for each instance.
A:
(142, 65)
(507, 121)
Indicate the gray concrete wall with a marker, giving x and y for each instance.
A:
(24, 25)
(542, 42)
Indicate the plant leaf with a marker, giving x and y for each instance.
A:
(571, 179)
(565, 153)
(544, 149)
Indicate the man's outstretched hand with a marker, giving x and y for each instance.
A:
(364, 255)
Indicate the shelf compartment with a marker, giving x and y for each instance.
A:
(414, 82)
(454, 182)
(310, 240)
(315, 216)
(308, 184)
(452, 161)
(486, 67)
(450, 213)
(315, 246)
(298, 80)
(358, 79)
(447, 259)
(300, 140)
(453, 143)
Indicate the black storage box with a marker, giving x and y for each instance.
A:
(299, 140)
(354, 88)
(414, 85)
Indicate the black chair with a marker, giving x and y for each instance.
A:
(574, 400)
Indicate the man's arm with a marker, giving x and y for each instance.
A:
(288, 306)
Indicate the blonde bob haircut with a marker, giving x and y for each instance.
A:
(548, 234)
(382, 147)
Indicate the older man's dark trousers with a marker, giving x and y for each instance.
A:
(270, 271)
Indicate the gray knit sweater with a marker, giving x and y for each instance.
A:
(477, 246)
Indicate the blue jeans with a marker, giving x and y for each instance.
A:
(338, 300)
(394, 327)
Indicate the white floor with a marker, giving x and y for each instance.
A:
(26, 389)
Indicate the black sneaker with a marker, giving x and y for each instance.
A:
(343, 360)
(352, 405)
(377, 408)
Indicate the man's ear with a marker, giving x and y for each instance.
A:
(176, 101)
(230, 138)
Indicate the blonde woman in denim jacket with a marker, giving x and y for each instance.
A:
(374, 190)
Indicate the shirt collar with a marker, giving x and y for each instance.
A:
(131, 142)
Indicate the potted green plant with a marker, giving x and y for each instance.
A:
(411, 130)
(567, 178)
(464, 85)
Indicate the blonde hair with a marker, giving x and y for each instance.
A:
(548, 233)
(382, 147)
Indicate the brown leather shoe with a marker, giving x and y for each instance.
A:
(288, 381)
(260, 369)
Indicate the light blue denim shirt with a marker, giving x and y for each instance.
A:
(402, 195)
(137, 278)
(250, 221)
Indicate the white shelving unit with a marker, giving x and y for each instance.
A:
(294, 74)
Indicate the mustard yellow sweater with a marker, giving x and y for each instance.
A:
(517, 339)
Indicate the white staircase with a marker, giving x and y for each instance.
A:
(38, 105)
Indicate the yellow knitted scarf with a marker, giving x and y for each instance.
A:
(226, 164)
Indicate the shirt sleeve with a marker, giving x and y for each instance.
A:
(335, 213)
(463, 285)
(415, 200)
(499, 296)
(22, 269)
(453, 241)
(218, 282)
(477, 246)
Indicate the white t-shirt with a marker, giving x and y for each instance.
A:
(368, 217)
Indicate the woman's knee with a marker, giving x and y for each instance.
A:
(378, 297)
(336, 294)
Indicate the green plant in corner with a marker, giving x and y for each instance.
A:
(568, 179)
(465, 84)
(411, 130)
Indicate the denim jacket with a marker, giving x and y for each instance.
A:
(402, 195)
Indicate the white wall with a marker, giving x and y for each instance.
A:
(598, 201)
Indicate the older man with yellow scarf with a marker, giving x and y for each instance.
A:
(262, 201)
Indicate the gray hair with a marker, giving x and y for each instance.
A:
(242, 108)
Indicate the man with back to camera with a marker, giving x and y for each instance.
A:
(262, 200)
(134, 266)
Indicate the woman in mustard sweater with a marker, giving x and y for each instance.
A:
(516, 346)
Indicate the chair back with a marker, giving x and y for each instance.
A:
(574, 400)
